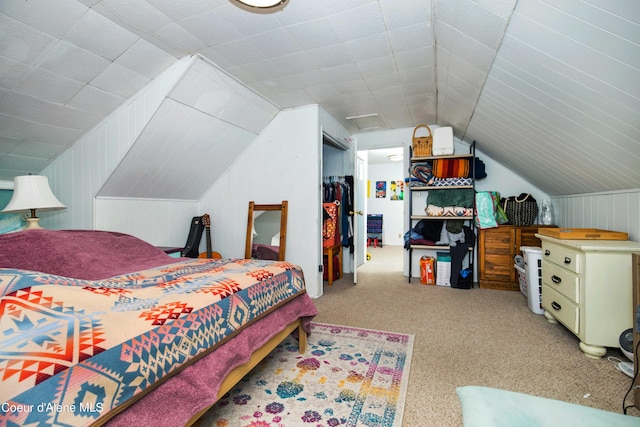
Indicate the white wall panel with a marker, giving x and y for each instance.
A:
(80, 171)
(159, 222)
(616, 211)
(281, 164)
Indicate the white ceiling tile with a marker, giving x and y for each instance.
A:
(502, 8)
(259, 70)
(309, 78)
(71, 61)
(297, 12)
(351, 86)
(476, 22)
(55, 21)
(51, 87)
(420, 57)
(22, 163)
(12, 72)
(373, 46)
(460, 68)
(383, 80)
(295, 98)
(293, 63)
(21, 42)
(247, 23)
(275, 43)
(329, 56)
(240, 52)
(322, 92)
(312, 34)
(90, 98)
(37, 149)
(101, 36)
(213, 55)
(176, 40)
(462, 87)
(411, 37)
(18, 127)
(119, 80)
(278, 83)
(146, 59)
(179, 10)
(413, 74)
(36, 111)
(383, 65)
(401, 13)
(359, 22)
(138, 16)
(8, 144)
(211, 27)
(342, 73)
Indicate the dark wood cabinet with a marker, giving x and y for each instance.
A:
(497, 248)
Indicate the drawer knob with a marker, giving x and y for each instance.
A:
(567, 260)
(556, 306)
(547, 252)
(556, 279)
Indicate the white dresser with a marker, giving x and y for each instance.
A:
(587, 286)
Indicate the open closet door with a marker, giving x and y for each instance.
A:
(359, 231)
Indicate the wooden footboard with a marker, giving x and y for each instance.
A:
(256, 357)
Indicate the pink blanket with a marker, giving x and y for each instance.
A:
(83, 254)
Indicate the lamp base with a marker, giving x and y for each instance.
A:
(33, 223)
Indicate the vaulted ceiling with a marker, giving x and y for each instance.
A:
(550, 88)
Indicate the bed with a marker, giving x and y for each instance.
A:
(99, 327)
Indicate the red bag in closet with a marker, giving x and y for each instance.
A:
(330, 233)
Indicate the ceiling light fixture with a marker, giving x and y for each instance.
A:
(395, 157)
(263, 4)
(367, 121)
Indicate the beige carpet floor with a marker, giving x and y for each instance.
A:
(470, 337)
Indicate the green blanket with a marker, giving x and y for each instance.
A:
(451, 197)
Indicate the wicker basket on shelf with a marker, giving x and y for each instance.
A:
(422, 145)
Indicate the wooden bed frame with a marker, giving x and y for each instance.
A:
(256, 357)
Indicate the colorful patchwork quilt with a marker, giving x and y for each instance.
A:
(72, 350)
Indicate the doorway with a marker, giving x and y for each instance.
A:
(385, 197)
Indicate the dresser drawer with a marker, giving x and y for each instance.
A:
(562, 256)
(563, 281)
(561, 308)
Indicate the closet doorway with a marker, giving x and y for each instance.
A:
(386, 172)
(341, 224)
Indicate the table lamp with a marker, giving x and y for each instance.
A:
(31, 193)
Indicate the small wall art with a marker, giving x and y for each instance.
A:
(397, 190)
(381, 189)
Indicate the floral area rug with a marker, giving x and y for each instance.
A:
(347, 377)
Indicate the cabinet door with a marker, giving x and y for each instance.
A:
(496, 252)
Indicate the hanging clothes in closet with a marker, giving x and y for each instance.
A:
(339, 191)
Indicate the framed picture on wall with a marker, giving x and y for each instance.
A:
(381, 189)
(397, 190)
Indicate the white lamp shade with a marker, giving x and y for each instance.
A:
(261, 3)
(32, 192)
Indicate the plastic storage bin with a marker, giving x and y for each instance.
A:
(443, 269)
(533, 272)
